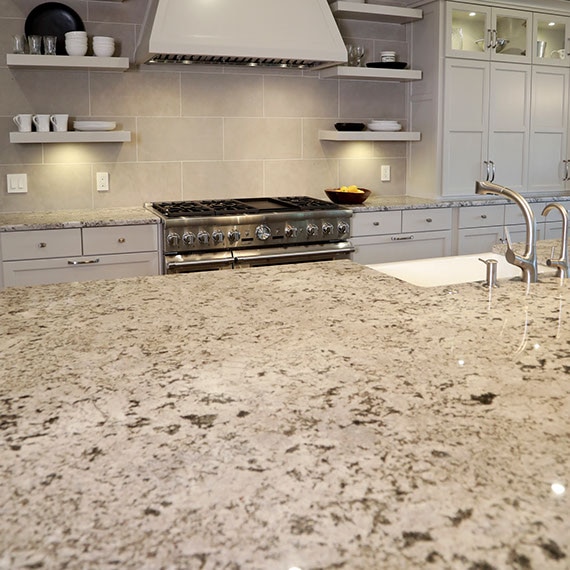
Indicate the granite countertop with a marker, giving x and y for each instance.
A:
(383, 203)
(57, 219)
(314, 416)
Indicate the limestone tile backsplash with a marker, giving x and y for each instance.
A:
(199, 132)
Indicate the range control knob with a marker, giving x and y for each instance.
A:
(327, 229)
(262, 232)
(312, 230)
(204, 237)
(173, 239)
(343, 228)
(234, 236)
(217, 236)
(188, 238)
(290, 231)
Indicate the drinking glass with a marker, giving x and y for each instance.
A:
(35, 43)
(49, 45)
(18, 43)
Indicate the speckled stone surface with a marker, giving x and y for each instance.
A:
(381, 203)
(16, 221)
(315, 416)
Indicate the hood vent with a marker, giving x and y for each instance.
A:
(274, 33)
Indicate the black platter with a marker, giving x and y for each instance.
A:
(53, 19)
(387, 64)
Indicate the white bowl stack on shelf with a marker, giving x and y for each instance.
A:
(103, 46)
(383, 125)
(76, 43)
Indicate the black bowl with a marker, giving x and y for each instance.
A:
(338, 197)
(349, 126)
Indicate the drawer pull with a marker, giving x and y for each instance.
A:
(429, 220)
(401, 238)
(86, 262)
(483, 216)
(375, 223)
(42, 244)
(121, 240)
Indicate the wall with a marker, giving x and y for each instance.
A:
(197, 133)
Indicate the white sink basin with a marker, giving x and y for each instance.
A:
(452, 270)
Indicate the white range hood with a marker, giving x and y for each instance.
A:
(283, 33)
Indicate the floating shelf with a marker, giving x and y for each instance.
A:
(374, 13)
(71, 136)
(369, 73)
(67, 62)
(368, 136)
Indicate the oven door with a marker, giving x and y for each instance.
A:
(292, 254)
(185, 263)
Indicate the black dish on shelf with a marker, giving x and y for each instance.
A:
(349, 126)
(53, 19)
(388, 64)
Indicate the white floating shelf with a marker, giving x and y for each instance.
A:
(374, 13)
(368, 136)
(369, 73)
(67, 62)
(71, 137)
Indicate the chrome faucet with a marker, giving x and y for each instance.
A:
(528, 261)
(561, 263)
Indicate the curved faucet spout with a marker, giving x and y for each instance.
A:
(528, 261)
(561, 263)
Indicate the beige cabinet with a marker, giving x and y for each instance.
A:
(479, 228)
(488, 33)
(39, 257)
(399, 235)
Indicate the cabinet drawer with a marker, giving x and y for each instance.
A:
(514, 215)
(120, 239)
(376, 223)
(40, 244)
(432, 219)
(481, 216)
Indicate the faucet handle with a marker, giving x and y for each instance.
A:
(510, 254)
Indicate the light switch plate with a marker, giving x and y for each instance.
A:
(17, 183)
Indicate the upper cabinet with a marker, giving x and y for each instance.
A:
(551, 38)
(488, 33)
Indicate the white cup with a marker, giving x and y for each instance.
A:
(23, 122)
(41, 122)
(388, 56)
(59, 122)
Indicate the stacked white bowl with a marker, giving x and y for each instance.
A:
(76, 43)
(384, 125)
(103, 46)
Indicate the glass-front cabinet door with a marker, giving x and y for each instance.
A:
(551, 40)
(489, 33)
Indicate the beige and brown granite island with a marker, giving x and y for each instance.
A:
(314, 416)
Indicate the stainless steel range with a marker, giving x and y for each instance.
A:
(216, 234)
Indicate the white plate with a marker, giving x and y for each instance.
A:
(391, 128)
(94, 125)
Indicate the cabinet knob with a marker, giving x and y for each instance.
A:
(121, 240)
(375, 223)
(483, 216)
(429, 220)
(42, 244)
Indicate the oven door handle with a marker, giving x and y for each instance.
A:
(170, 264)
(284, 255)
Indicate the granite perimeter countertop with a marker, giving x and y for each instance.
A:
(57, 219)
(311, 416)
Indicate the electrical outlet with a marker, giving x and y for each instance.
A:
(102, 179)
(385, 173)
(17, 183)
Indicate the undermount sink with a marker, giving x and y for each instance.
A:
(437, 271)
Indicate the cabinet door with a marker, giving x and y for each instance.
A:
(65, 270)
(509, 123)
(467, 31)
(549, 129)
(551, 40)
(466, 125)
(401, 247)
(511, 35)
